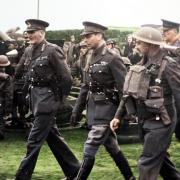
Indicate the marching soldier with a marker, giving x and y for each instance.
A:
(100, 92)
(49, 80)
(153, 85)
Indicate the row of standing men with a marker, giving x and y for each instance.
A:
(101, 92)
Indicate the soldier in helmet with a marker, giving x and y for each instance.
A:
(100, 91)
(111, 44)
(153, 85)
(49, 81)
(6, 93)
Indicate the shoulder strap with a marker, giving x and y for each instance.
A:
(161, 69)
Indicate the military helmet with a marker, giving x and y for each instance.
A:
(149, 35)
(4, 61)
(109, 41)
(82, 44)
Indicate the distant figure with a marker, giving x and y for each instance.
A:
(131, 51)
(111, 44)
(6, 93)
(128, 49)
(72, 52)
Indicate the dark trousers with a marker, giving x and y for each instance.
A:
(45, 129)
(101, 135)
(154, 160)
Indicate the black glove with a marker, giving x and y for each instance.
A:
(74, 119)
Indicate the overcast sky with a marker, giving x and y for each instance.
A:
(69, 14)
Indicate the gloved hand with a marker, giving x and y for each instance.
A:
(74, 119)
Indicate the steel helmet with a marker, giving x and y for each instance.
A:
(149, 35)
(4, 61)
(82, 44)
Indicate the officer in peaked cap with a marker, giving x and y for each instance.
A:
(103, 73)
(45, 63)
(36, 24)
(90, 28)
(171, 32)
(167, 25)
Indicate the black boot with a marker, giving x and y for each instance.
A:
(85, 168)
(2, 135)
(123, 166)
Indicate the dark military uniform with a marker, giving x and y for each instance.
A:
(6, 94)
(168, 25)
(49, 79)
(177, 129)
(100, 93)
(155, 133)
(156, 142)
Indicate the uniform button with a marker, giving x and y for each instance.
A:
(32, 70)
(100, 71)
(40, 64)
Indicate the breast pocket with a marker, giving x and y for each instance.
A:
(42, 67)
(100, 72)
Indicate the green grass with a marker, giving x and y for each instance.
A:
(13, 149)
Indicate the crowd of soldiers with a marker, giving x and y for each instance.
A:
(37, 79)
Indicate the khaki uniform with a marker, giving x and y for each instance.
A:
(155, 133)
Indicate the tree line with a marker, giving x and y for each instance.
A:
(64, 35)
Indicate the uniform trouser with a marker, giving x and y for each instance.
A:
(102, 134)
(98, 135)
(44, 129)
(154, 155)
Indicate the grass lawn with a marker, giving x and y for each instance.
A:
(14, 147)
